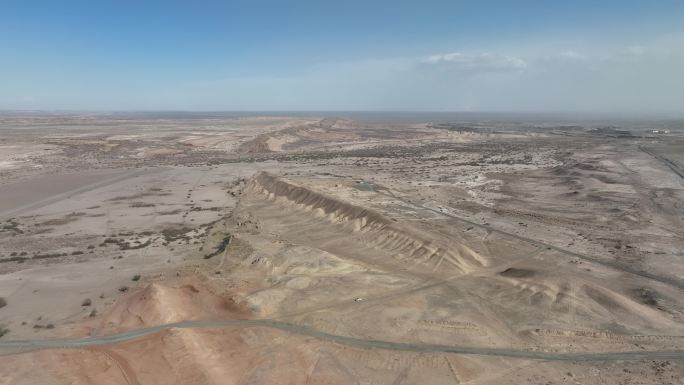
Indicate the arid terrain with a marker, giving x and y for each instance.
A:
(219, 249)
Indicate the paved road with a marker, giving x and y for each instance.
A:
(344, 340)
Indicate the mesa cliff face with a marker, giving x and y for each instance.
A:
(401, 240)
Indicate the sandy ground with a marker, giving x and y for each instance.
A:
(552, 237)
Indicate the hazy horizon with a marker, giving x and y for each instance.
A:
(406, 117)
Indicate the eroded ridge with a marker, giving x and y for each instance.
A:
(402, 240)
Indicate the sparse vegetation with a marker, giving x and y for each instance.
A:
(49, 255)
(48, 326)
(125, 245)
(646, 296)
(221, 247)
(12, 226)
(14, 259)
(128, 246)
(173, 234)
(141, 204)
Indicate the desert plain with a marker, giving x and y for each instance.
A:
(340, 249)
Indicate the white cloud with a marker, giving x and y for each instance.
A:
(476, 62)
(556, 76)
(636, 50)
(571, 55)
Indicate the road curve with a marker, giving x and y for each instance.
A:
(76, 343)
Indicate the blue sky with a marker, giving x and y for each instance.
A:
(588, 56)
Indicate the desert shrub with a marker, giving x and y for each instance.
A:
(14, 259)
(173, 234)
(49, 255)
(221, 247)
(3, 302)
(128, 246)
(3, 331)
(123, 289)
(141, 204)
(86, 302)
(136, 278)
